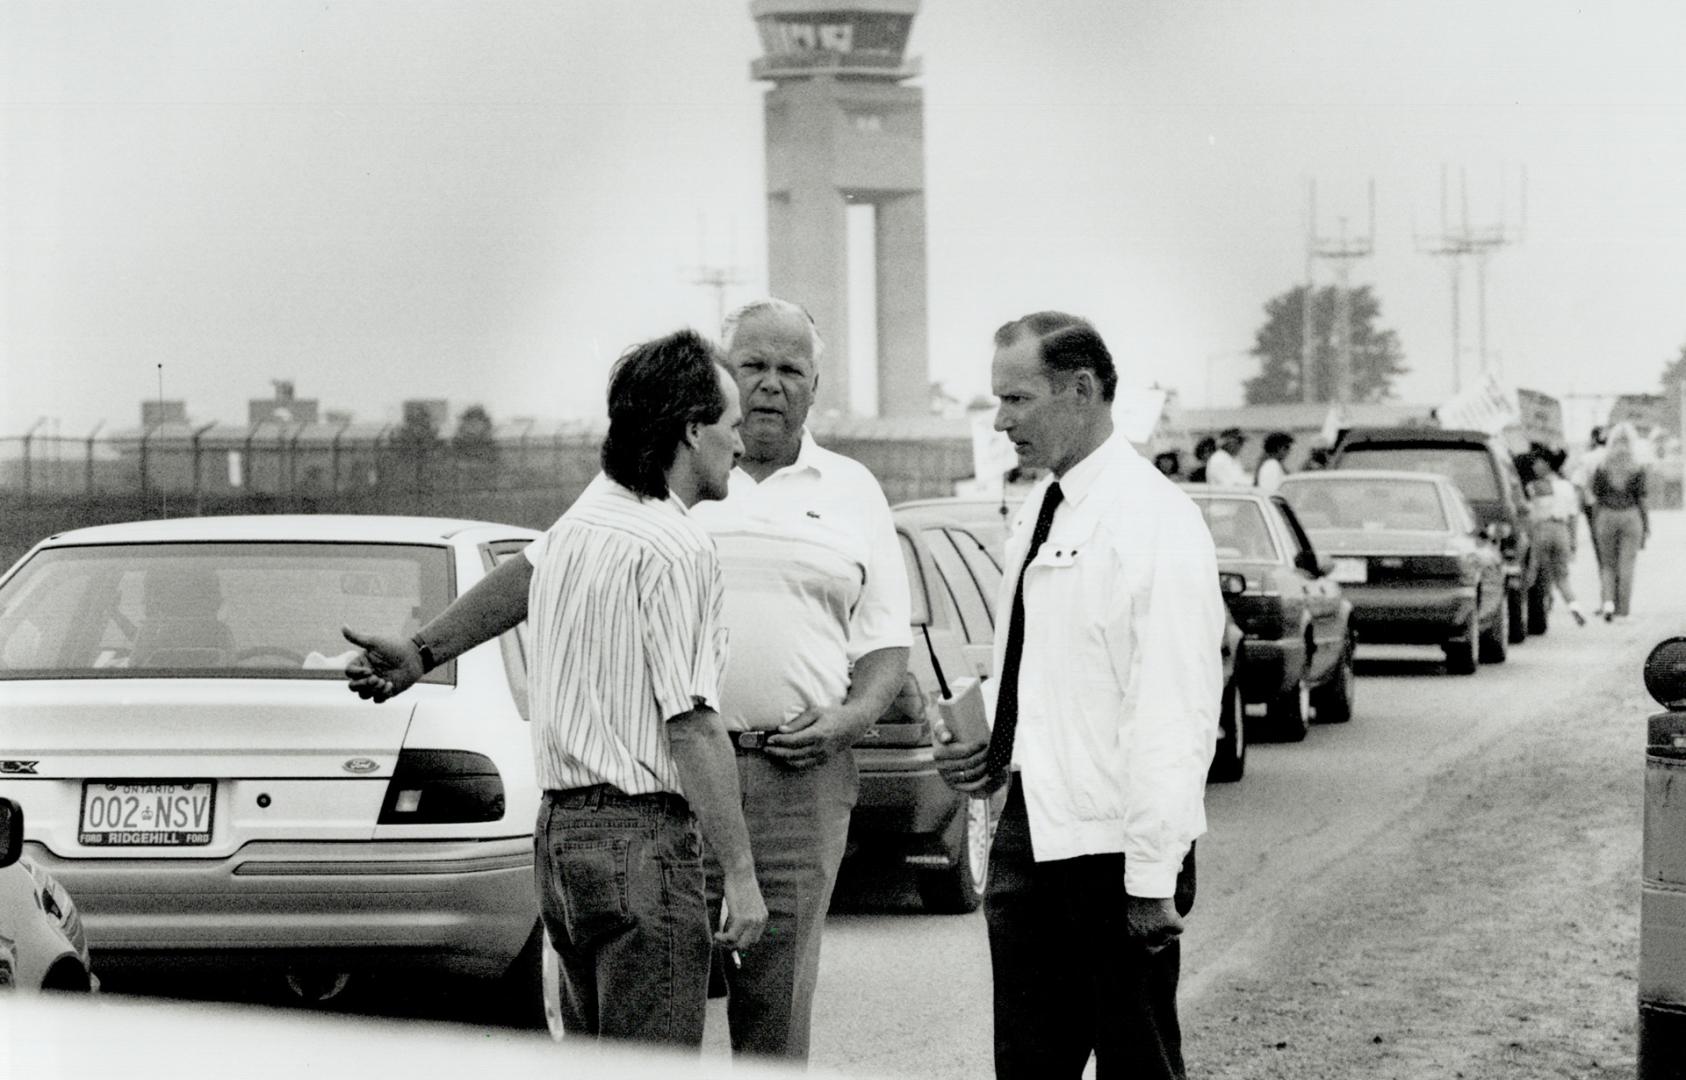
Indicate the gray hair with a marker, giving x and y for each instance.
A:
(769, 305)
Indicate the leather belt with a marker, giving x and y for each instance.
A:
(750, 742)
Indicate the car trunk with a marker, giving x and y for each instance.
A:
(195, 768)
(1388, 556)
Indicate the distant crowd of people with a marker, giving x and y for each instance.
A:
(1606, 486)
(1218, 461)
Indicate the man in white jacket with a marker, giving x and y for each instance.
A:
(1106, 715)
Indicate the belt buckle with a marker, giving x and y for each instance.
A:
(751, 740)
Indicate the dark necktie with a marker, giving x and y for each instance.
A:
(1007, 698)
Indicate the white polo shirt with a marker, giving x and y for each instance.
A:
(815, 580)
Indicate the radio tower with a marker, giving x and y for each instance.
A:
(716, 278)
(1341, 250)
(1478, 243)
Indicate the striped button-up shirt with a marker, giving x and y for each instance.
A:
(624, 612)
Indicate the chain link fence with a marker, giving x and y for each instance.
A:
(49, 485)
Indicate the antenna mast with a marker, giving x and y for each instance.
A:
(1341, 250)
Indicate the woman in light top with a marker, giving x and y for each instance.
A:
(1619, 519)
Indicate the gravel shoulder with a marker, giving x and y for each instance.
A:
(1496, 936)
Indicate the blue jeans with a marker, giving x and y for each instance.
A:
(620, 880)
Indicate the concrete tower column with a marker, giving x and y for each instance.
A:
(841, 129)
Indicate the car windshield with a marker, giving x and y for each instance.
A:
(240, 610)
(1329, 502)
(1238, 529)
(1469, 467)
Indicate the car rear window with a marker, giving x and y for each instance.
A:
(1469, 467)
(231, 610)
(1238, 529)
(1328, 502)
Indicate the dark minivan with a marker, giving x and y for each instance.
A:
(1482, 468)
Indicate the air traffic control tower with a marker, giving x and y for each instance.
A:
(843, 131)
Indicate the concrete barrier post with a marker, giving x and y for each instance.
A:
(1662, 903)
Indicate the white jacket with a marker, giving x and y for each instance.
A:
(1121, 674)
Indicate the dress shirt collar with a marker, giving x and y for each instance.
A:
(1081, 478)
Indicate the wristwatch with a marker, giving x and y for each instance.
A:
(425, 651)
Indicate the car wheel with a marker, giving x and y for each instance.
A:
(1289, 713)
(1230, 760)
(1518, 615)
(1463, 652)
(1539, 603)
(959, 888)
(1495, 640)
(1332, 701)
(520, 991)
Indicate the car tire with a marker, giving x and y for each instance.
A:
(1518, 615)
(520, 991)
(1332, 701)
(1229, 763)
(1539, 604)
(1495, 640)
(1463, 653)
(1289, 713)
(959, 888)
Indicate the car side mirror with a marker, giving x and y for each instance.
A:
(1496, 531)
(1308, 562)
(11, 832)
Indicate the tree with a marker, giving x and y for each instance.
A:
(475, 447)
(417, 439)
(1376, 354)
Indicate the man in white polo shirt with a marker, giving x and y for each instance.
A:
(817, 603)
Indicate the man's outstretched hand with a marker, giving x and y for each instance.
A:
(387, 667)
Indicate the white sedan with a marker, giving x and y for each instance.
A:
(198, 776)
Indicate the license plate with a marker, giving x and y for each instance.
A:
(1351, 571)
(147, 814)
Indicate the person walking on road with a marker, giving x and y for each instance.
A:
(818, 611)
(1555, 508)
(1273, 466)
(1224, 467)
(625, 602)
(1581, 477)
(1105, 721)
(1621, 522)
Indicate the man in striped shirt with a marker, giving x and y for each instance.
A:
(624, 605)
(817, 602)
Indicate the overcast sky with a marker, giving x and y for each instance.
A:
(487, 201)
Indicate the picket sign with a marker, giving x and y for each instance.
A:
(1486, 405)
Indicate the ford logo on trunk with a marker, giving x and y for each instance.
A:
(361, 765)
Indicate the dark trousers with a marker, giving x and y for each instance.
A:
(1069, 980)
(798, 822)
(620, 880)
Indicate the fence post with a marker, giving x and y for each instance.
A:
(334, 460)
(198, 488)
(90, 462)
(29, 437)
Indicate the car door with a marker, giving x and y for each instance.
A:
(1322, 594)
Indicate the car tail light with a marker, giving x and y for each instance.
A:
(437, 787)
